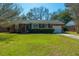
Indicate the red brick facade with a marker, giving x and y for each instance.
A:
(71, 28)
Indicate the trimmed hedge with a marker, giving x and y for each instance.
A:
(41, 30)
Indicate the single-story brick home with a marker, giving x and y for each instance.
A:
(71, 25)
(23, 26)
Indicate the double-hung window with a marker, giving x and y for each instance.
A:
(35, 26)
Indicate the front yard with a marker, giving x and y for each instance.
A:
(74, 33)
(37, 45)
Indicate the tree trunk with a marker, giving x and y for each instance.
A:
(77, 27)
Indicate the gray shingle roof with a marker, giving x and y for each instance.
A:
(71, 23)
(39, 21)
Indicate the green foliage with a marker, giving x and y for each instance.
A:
(62, 15)
(41, 30)
(65, 16)
(65, 29)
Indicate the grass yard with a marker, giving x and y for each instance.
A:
(37, 45)
(74, 33)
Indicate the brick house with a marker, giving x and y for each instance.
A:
(71, 26)
(23, 25)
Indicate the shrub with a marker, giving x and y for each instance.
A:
(41, 30)
(65, 29)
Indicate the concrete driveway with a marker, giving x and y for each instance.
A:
(71, 36)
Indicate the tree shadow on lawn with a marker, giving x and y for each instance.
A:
(5, 38)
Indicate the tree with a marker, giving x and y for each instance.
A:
(29, 15)
(40, 13)
(74, 9)
(65, 16)
(24, 17)
(8, 11)
(62, 15)
(54, 16)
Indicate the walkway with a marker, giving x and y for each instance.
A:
(71, 36)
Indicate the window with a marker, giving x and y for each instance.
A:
(41, 25)
(35, 26)
(28, 26)
(49, 25)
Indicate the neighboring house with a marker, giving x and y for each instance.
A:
(71, 26)
(24, 25)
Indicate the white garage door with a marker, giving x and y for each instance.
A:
(57, 29)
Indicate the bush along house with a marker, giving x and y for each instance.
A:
(35, 26)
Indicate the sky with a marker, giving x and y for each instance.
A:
(51, 6)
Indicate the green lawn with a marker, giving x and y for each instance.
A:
(74, 33)
(37, 45)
